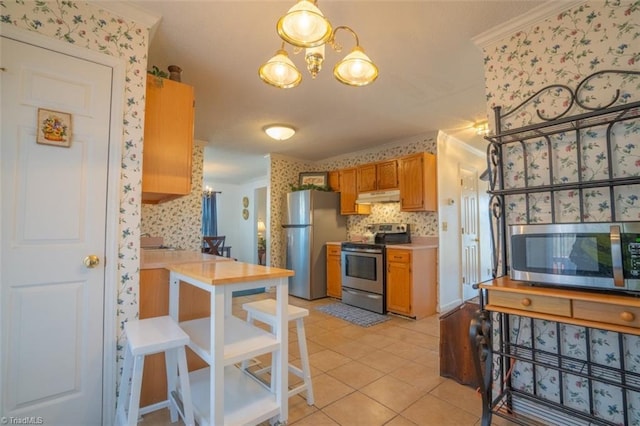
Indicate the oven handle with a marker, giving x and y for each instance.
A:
(616, 256)
(370, 296)
(361, 250)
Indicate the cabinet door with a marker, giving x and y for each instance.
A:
(168, 140)
(334, 272)
(387, 175)
(367, 180)
(418, 183)
(348, 185)
(334, 181)
(399, 281)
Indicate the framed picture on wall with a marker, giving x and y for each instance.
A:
(54, 128)
(314, 178)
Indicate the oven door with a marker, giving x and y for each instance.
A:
(363, 270)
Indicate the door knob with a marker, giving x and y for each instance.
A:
(91, 261)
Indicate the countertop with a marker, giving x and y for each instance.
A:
(158, 259)
(220, 273)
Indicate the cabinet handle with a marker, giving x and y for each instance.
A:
(526, 301)
(627, 316)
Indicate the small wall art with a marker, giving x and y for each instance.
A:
(54, 128)
(313, 178)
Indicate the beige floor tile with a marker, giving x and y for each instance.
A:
(317, 418)
(298, 408)
(355, 374)
(418, 375)
(405, 350)
(327, 360)
(428, 358)
(352, 331)
(376, 340)
(353, 350)
(400, 421)
(329, 339)
(383, 361)
(359, 410)
(393, 393)
(432, 411)
(326, 390)
(159, 418)
(459, 395)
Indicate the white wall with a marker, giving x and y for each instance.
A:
(241, 234)
(453, 154)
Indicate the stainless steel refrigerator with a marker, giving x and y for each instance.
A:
(310, 219)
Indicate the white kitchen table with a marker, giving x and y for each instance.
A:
(222, 393)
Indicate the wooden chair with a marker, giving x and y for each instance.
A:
(215, 244)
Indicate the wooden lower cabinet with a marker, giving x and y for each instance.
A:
(154, 302)
(412, 282)
(334, 271)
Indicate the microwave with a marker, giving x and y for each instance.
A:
(590, 255)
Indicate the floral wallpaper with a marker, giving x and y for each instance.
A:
(89, 26)
(179, 221)
(562, 51)
(284, 172)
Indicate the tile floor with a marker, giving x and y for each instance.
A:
(386, 374)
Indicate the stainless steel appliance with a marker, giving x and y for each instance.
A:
(310, 219)
(590, 255)
(363, 267)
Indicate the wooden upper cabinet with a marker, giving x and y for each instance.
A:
(367, 178)
(334, 180)
(348, 193)
(387, 174)
(378, 176)
(418, 183)
(168, 140)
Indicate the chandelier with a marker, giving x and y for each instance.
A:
(305, 27)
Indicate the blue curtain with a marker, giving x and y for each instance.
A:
(209, 215)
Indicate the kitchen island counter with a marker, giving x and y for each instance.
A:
(222, 393)
(157, 259)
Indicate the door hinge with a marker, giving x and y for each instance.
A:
(463, 280)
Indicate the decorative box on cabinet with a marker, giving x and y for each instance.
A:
(168, 140)
(418, 182)
(378, 176)
(334, 271)
(411, 282)
(348, 193)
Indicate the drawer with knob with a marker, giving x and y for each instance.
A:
(531, 303)
(612, 314)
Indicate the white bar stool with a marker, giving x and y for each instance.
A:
(147, 337)
(265, 311)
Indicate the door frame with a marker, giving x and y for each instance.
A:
(118, 65)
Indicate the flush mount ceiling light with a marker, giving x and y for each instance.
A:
(279, 132)
(305, 27)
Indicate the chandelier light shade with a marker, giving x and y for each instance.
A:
(356, 69)
(279, 132)
(279, 71)
(304, 25)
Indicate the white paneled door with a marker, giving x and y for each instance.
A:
(469, 232)
(53, 221)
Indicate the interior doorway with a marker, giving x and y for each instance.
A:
(261, 226)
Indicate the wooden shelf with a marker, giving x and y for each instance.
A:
(245, 400)
(241, 339)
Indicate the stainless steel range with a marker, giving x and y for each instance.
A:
(363, 267)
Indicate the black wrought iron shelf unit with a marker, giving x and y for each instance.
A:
(545, 173)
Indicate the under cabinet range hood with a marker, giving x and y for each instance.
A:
(390, 196)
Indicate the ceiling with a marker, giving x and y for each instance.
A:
(431, 76)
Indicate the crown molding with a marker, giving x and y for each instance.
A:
(134, 13)
(534, 16)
